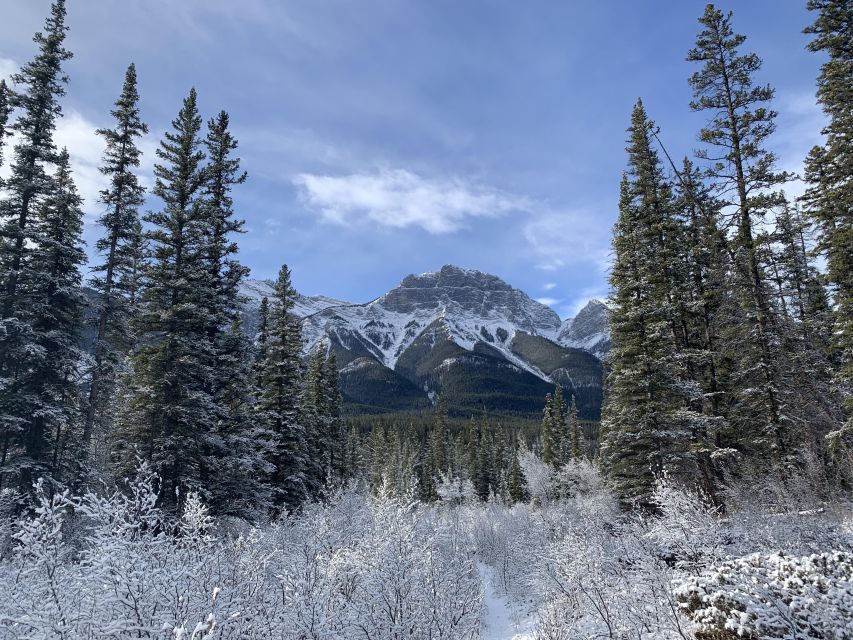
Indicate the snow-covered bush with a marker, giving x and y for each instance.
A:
(772, 596)
(687, 531)
(382, 567)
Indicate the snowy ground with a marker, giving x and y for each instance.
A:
(500, 620)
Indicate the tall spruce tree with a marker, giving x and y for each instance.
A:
(172, 403)
(314, 418)
(648, 426)
(829, 197)
(46, 383)
(280, 398)
(549, 437)
(115, 279)
(575, 433)
(39, 85)
(517, 480)
(235, 455)
(559, 428)
(742, 169)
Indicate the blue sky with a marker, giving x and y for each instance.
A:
(386, 137)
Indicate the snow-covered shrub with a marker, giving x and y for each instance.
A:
(607, 582)
(539, 475)
(35, 596)
(454, 490)
(772, 596)
(686, 530)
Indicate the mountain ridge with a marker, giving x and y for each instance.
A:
(423, 333)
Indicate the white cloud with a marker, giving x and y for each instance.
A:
(548, 286)
(7, 68)
(560, 239)
(399, 198)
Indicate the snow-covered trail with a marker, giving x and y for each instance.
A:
(499, 623)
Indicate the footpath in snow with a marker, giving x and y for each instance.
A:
(500, 622)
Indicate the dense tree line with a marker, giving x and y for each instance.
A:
(731, 350)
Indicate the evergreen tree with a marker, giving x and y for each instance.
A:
(484, 479)
(45, 384)
(438, 462)
(336, 434)
(174, 413)
(280, 398)
(40, 85)
(829, 198)
(647, 424)
(742, 166)
(704, 254)
(113, 285)
(575, 433)
(240, 467)
(313, 408)
(559, 428)
(261, 345)
(517, 480)
(549, 438)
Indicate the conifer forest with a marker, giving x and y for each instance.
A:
(181, 459)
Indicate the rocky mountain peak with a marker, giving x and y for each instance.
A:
(453, 277)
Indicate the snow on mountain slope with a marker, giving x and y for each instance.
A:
(464, 306)
(472, 306)
(256, 290)
(589, 330)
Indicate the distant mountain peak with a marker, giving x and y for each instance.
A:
(451, 276)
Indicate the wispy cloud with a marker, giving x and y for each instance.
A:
(548, 286)
(560, 239)
(399, 198)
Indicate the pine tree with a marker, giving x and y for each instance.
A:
(42, 81)
(549, 449)
(279, 402)
(315, 421)
(46, 382)
(705, 254)
(117, 246)
(560, 429)
(647, 425)
(829, 198)
(484, 478)
(336, 434)
(439, 438)
(28, 189)
(240, 467)
(517, 480)
(172, 403)
(575, 433)
(741, 165)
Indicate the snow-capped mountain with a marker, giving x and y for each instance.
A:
(453, 325)
(589, 330)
